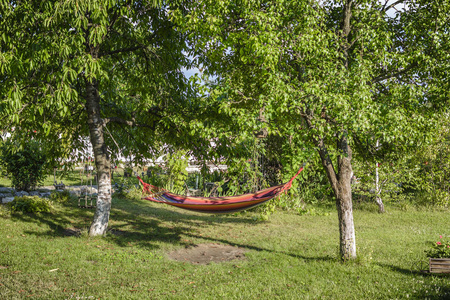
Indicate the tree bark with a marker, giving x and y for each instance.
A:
(378, 199)
(341, 185)
(380, 204)
(102, 161)
(377, 186)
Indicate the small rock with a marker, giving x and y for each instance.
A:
(34, 193)
(22, 193)
(7, 199)
(6, 190)
(45, 195)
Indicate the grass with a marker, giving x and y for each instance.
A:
(288, 257)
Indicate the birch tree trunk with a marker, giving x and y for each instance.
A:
(378, 199)
(378, 187)
(102, 161)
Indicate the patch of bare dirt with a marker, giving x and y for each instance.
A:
(204, 254)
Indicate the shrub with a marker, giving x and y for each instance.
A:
(176, 164)
(61, 197)
(24, 164)
(30, 204)
(121, 185)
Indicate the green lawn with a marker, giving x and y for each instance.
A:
(288, 257)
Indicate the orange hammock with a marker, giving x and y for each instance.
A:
(215, 204)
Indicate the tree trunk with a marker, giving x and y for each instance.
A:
(344, 207)
(380, 204)
(341, 185)
(378, 199)
(102, 161)
(377, 185)
(341, 181)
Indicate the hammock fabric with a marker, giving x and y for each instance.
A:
(215, 205)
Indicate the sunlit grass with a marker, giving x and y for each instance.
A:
(288, 257)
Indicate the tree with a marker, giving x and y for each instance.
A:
(330, 75)
(26, 166)
(74, 68)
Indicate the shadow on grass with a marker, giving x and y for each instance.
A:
(56, 221)
(442, 294)
(250, 247)
(135, 222)
(149, 222)
(403, 270)
(131, 221)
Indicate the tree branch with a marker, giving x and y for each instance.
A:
(126, 122)
(324, 157)
(130, 49)
(386, 8)
(393, 74)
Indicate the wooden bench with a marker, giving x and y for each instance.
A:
(439, 265)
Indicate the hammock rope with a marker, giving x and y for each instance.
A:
(215, 205)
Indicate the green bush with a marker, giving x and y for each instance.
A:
(176, 164)
(24, 164)
(172, 176)
(30, 204)
(61, 197)
(122, 185)
(156, 176)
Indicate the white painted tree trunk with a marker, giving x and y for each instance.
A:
(377, 185)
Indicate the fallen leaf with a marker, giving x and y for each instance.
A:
(54, 270)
